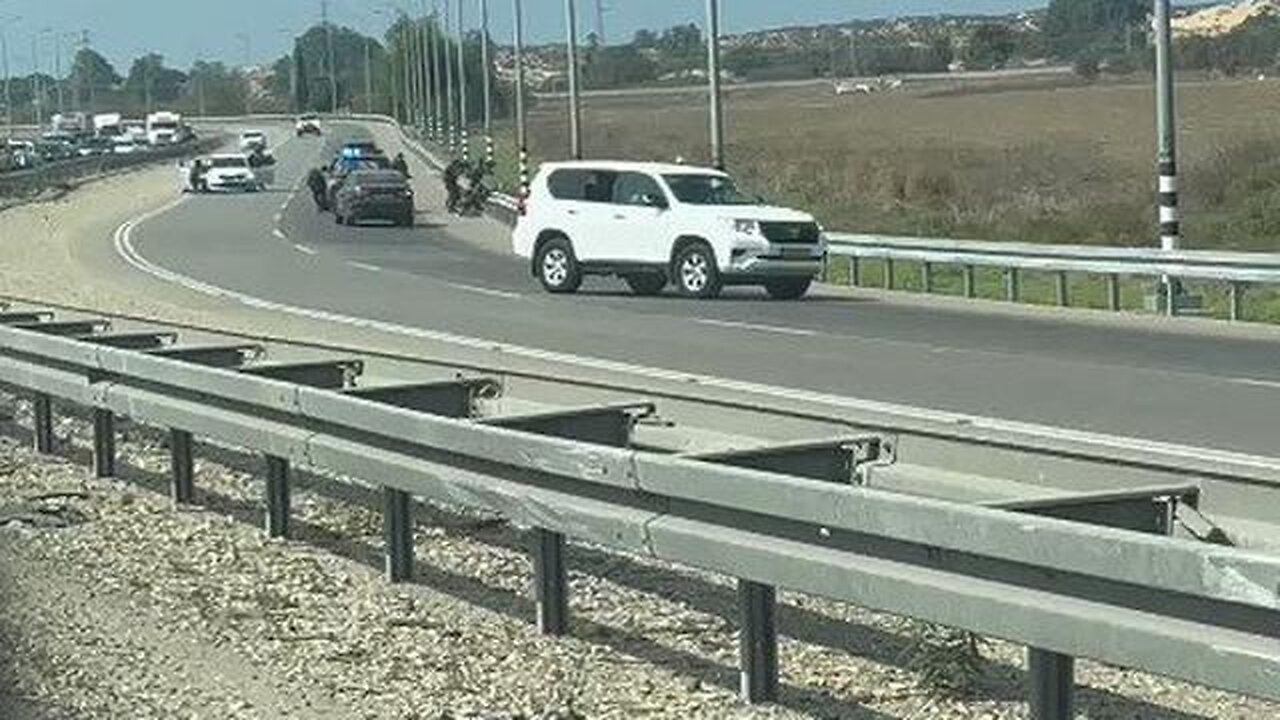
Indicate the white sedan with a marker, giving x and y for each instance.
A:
(224, 172)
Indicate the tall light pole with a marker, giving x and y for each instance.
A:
(8, 78)
(328, 56)
(713, 77)
(1166, 122)
(575, 106)
(486, 82)
(433, 73)
(37, 108)
(368, 75)
(424, 40)
(522, 141)
(439, 37)
(448, 80)
(463, 120)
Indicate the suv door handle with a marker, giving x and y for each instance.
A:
(619, 217)
(573, 212)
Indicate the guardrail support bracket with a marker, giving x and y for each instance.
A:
(888, 273)
(758, 642)
(277, 518)
(1012, 289)
(104, 443)
(183, 467)
(855, 271)
(1235, 300)
(970, 282)
(397, 530)
(1064, 289)
(550, 582)
(42, 417)
(926, 277)
(1113, 292)
(1053, 681)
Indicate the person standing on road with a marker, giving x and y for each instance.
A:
(316, 183)
(452, 173)
(400, 165)
(195, 176)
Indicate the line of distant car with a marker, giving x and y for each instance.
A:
(73, 135)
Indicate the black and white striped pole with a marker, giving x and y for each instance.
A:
(486, 82)
(448, 81)
(522, 143)
(575, 105)
(1166, 122)
(428, 105)
(462, 82)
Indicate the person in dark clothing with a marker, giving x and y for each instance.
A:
(316, 183)
(452, 172)
(195, 176)
(400, 165)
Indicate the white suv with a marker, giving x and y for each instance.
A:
(653, 223)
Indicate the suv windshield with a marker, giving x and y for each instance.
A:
(229, 162)
(706, 190)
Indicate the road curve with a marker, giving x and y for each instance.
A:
(1189, 386)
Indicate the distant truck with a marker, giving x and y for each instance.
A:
(74, 124)
(164, 128)
(108, 124)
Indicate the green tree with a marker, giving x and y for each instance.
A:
(991, 45)
(91, 74)
(1076, 26)
(148, 77)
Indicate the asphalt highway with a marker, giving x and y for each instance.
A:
(1182, 383)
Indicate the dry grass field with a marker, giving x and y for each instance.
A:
(1064, 163)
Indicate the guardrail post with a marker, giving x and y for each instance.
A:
(1113, 292)
(1235, 300)
(758, 642)
(888, 273)
(182, 467)
(277, 519)
(104, 443)
(550, 582)
(970, 282)
(397, 531)
(1064, 291)
(855, 271)
(926, 276)
(1052, 677)
(42, 422)
(1012, 291)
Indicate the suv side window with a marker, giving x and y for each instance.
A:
(632, 188)
(585, 185)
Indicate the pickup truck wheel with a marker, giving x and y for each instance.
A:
(788, 289)
(646, 284)
(697, 275)
(558, 267)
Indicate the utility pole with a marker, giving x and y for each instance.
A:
(146, 81)
(8, 80)
(37, 91)
(439, 37)
(1166, 122)
(433, 73)
(575, 108)
(600, 22)
(448, 80)
(328, 56)
(522, 143)
(57, 70)
(463, 120)
(428, 97)
(486, 83)
(713, 77)
(368, 75)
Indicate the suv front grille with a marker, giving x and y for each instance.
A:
(791, 232)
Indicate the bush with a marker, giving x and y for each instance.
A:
(1087, 67)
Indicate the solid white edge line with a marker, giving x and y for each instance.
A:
(124, 247)
(279, 235)
(753, 326)
(303, 249)
(365, 266)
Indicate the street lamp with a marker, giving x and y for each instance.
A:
(575, 107)
(462, 82)
(522, 143)
(8, 79)
(486, 82)
(1166, 120)
(713, 76)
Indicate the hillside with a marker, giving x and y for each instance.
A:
(1220, 20)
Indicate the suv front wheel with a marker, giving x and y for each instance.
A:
(557, 267)
(696, 272)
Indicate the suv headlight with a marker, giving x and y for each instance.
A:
(746, 227)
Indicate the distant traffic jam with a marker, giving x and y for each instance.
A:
(78, 135)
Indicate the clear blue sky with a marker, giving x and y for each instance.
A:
(184, 29)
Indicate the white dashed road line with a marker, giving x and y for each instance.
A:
(758, 328)
(365, 266)
(303, 249)
(486, 291)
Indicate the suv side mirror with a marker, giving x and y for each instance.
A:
(654, 201)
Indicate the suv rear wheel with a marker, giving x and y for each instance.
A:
(788, 289)
(557, 267)
(646, 283)
(696, 272)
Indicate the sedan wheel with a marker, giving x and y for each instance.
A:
(696, 272)
(557, 267)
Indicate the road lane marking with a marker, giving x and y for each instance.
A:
(365, 266)
(275, 219)
(758, 328)
(279, 235)
(303, 249)
(486, 291)
(1273, 384)
(124, 248)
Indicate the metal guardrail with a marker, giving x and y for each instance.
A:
(22, 184)
(1236, 270)
(1106, 582)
